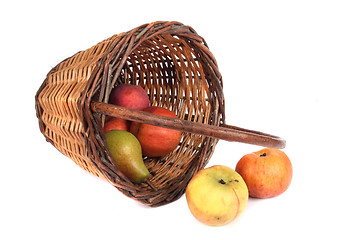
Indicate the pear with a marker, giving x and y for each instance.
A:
(125, 150)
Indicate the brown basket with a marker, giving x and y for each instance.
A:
(174, 65)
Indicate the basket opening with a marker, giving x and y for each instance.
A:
(167, 68)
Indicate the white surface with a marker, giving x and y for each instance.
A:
(290, 68)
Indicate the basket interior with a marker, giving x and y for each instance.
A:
(169, 71)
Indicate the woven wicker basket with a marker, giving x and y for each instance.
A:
(174, 65)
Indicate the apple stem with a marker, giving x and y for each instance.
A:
(222, 181)
(263, 155)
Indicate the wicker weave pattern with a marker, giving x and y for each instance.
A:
(174, 65)
(62, 121)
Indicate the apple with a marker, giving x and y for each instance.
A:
(216, 195)
(156, 141)
(116, 124)
(129, 96)
(267, 173)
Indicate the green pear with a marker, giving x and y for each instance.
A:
(125, 150)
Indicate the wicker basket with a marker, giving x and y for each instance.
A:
(174, 65)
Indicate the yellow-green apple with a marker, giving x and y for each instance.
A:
(217, 195)
(116, 124)
(156, 141)
(267, 172)
(129, 96)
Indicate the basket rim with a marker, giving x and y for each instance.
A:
(121, 50)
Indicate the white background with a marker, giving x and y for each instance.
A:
(290, 68)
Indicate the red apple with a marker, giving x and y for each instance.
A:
(156, 141)
(116, 124)
(267, 173)
(129, 96)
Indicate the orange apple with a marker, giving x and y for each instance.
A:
(267, 173)
(216, 195)
(116, 124)
(156, 141)
(129, 96)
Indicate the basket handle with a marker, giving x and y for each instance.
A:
(224, 132)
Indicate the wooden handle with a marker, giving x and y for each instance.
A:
(224, 132)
